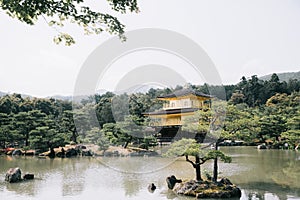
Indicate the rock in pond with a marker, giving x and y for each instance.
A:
(171, 181)
(151, 187)
(208, 189)
(28, 176)
(13, 175)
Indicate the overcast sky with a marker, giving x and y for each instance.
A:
(242, 37)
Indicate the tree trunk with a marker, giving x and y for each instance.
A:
(196, 165)
(215, 171)
(215, 174)
(127, 142)
(198, 169)
(74, 136)
(27, 139)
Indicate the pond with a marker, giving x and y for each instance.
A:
(261, 174)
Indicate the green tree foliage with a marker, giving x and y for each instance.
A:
(137, 132)
(129, 132)
(23, 116)
(292, 135)
(271, 127)
(67, 125)
(255, 91)
(241, 123)
(43, 138)
(96, 136)
(28, 121)
(113, 108)
(10, 103)
(237, 98)
(274, 123)
(123, 123)
(120, 107)
(115, 135)
(198, 123)
(8, 135)
(293, 85)
(57, 13)
(207, 122)
(189, 147)
(274, 85)
(85, 119)
(104, 108)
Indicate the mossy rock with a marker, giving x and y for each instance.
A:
(208, 189)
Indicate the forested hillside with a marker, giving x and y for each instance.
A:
(283, 76)
(257, 112)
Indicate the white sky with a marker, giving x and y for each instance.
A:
(242, 37)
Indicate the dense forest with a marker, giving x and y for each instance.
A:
(257, 111)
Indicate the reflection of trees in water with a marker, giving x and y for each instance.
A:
(261, 189)
(135, 173)
(255, 195)
(288, 176)
(263, 195)
(28, 188)
(270, 172)
(126, 167)
(130, 171)
(131, 183)
(68, 173)
(73, 179)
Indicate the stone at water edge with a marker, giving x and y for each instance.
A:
(171, 181)
(71, 152)
(225, 181)
(13, 175)
(17, 152)
(28, 176)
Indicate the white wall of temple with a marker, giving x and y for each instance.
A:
(183, 103)
(180, 103)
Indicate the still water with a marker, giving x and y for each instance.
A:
(261, 174)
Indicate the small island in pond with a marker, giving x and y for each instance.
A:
(200, 188)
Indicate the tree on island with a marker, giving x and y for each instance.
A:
(189, 147)
(57, 13)
(208, 123)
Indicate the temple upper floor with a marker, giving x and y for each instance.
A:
(186, 99)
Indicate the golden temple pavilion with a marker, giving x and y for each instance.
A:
(177, 105)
